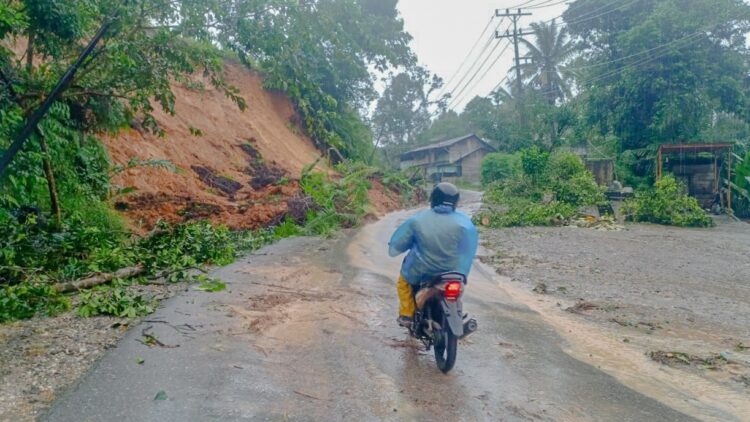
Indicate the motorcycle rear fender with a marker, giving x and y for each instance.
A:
(453, 314)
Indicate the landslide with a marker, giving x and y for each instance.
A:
(214, 161)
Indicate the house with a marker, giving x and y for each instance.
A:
(457, 159)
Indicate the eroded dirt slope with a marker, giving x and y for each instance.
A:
(240, 170)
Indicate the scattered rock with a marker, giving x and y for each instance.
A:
(540, 288)
(582, 306)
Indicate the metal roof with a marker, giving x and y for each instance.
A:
(446, 143)
(695, 148)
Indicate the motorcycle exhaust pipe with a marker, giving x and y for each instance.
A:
(469, 327)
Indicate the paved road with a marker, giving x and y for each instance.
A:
(306, 331)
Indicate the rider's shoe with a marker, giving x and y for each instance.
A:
(405, 321)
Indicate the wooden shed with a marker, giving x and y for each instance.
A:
(701, 167)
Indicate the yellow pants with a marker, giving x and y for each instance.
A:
(406, 305)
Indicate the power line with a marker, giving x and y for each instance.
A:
(658, 47)
(587, 16)
(544, 4)
(514, 16)
(521, 5)
(473, 47)
(499, 84)
(476, 60)
(625, 67)
(479, 69)
(459, 100)
(583, 17)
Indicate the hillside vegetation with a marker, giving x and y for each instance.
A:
(184, 112)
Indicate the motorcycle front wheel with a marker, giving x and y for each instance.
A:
(446, 347)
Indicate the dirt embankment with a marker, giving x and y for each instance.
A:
(234, 167)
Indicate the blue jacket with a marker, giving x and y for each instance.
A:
(438, 240)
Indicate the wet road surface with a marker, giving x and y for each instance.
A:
(306, 332)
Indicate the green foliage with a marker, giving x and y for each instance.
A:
(27, 299)
(248, 241)
(499, 166)
(318, 53)
(534, 161)
(527, 213)
(187, 245)
(397, 181)
(340, 203)
(404, 110)
(741, 202)
(690, 87)
(549, 190)
(209, 284)
(667, 204)
(548, 53)
(288, 228)
(117, 300)
(85, 243)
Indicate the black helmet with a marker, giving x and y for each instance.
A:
(444, 194)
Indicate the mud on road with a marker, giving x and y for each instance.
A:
(306, 331)
(680, 297)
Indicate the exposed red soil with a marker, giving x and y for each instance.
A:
(381, 199)
(240, 171)
(215, 170)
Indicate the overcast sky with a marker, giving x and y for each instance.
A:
(445, 30)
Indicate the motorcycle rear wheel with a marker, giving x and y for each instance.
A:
(446, 348)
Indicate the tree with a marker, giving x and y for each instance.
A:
(547, 54)
(448, 124)
(132, 68)
(657, 71)
(320, 53)
(405, 109)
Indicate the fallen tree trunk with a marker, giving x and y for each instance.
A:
(98, 279)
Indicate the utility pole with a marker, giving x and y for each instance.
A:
(514, 16)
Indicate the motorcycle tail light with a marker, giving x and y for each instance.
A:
(452, 290)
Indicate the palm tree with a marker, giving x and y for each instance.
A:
(545, 69)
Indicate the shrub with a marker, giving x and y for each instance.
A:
(581, 189)
(534, 161)
(339, 203)
(564, 165)
(115, 301)
(561, 173)
(667, 204)
(530, 214)
(26, 300)
(499, 166)
(85, 243)
(187, 245)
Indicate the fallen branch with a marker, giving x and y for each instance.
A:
(98, 279)
(102, 278)
(150, 340)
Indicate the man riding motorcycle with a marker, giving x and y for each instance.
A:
(439, 240)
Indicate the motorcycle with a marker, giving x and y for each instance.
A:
(439, 321)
